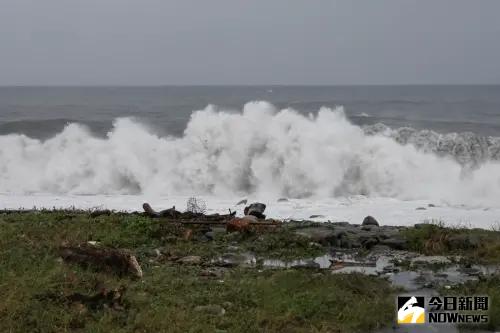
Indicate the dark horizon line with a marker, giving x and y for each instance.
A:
(245, 85)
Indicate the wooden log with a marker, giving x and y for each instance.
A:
(118, 261)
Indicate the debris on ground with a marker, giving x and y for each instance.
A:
(193, 216)
(118, 261)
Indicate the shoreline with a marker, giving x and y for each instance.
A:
(388, 211)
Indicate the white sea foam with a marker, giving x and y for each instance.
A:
(388, 211)
(259, 151)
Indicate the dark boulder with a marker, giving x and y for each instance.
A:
(370, 220)
(256, 209)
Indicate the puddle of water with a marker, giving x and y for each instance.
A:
(421, 278)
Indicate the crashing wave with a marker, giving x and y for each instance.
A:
(466, 148)
(258, 150)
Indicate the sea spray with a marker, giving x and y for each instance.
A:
(258, 150)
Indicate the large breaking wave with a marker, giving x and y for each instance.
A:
(258, 150)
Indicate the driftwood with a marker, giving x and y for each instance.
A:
(118, 261)
(172, 213)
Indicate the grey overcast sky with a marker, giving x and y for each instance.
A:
(154, 42)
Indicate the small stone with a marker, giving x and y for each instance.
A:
(370, 220)
(282, 200)
(211, 309)
(431, 205)
(420, 208)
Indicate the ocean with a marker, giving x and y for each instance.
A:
(406, 153)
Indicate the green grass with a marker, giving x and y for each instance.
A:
(476, 245)
(34, 282)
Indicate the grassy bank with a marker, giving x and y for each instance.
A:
(478, 246)
(41, 293)
(36, 286)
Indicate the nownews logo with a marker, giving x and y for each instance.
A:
(443, 310)
(411, 310)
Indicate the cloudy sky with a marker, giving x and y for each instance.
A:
(151, 42)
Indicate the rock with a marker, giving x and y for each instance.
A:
(431, 205)
(420, 208)
(322, 235)
(316, 216)
(211, 309)
(370, 220)
(256, 209)
(282, 200)
(190, 260)
(242, 202)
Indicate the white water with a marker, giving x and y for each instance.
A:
(261, 151)
(353, 209)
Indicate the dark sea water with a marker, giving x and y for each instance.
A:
(41, 112)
